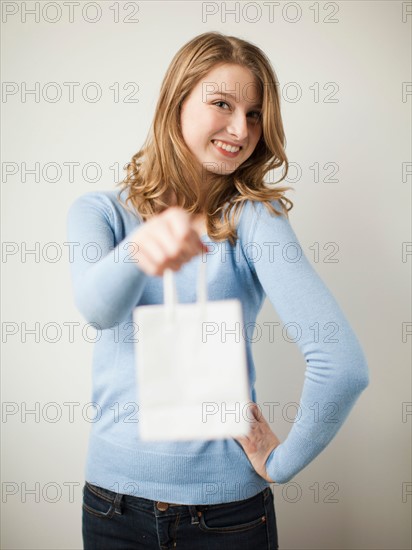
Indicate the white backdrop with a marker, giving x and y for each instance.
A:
(345, 74)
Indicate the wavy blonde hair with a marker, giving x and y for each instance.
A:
(165, 164)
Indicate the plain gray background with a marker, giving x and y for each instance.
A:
(345, 73)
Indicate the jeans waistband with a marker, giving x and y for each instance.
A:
(160, 507)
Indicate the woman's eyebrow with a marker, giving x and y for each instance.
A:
(233, 95)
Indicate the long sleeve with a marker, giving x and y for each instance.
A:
(107, 283)
(336, 369)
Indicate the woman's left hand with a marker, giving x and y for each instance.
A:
(259, 442)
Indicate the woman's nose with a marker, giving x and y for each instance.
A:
(238, 126)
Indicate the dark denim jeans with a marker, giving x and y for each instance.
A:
(115, 521)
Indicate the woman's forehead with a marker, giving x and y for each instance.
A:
(232, 80)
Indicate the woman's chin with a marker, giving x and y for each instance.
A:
(221, 167)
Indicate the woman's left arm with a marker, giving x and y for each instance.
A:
(336, 368)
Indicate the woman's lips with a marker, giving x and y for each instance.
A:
(224, 152)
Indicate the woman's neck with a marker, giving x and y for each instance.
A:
(170, 198)
(198, 220)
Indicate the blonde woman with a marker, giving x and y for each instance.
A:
(199, 178)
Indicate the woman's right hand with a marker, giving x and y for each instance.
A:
(167, 240)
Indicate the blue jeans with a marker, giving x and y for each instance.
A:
(115, 521)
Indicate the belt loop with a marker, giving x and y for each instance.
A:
(193, 513)
(118, 504)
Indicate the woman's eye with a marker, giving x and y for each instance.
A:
(256, 114)
(224, 102)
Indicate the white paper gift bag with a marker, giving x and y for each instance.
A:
(192, 380)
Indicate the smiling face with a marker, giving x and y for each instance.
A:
(223, 110)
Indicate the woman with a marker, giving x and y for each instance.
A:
(217, 131)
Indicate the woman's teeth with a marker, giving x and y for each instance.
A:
(225, 146)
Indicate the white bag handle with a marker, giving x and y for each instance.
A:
(170, 291)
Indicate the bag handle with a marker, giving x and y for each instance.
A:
(170, 291)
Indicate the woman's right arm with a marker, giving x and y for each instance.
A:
(108, 279)
(106, 282)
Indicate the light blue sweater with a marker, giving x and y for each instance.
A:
(266, 261)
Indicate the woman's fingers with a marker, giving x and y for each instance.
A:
(167, 240)
(259, 442)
